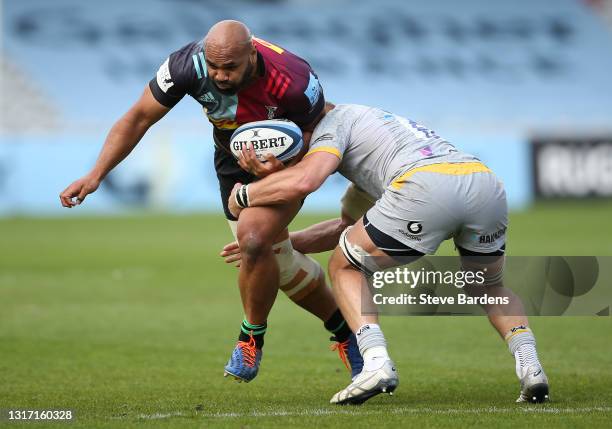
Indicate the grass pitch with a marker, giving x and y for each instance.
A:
(129, 321)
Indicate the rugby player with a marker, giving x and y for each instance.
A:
(238, 78)
(426, 191)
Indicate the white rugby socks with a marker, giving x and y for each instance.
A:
(372, 346)
(522, 345)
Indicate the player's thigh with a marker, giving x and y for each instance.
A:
(483, 229)
(265, 225)
(367, 249)
(417, 214)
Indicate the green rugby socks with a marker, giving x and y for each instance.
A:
(258, 331)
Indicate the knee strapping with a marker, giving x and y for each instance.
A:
(300, 275)
(356, 255)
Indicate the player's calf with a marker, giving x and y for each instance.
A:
(302, 279)
(510, 321)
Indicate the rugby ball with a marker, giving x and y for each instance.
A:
(281, 138)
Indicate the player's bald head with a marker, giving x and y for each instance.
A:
(230, 36)
(231, 57)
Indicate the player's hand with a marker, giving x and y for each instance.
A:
(75, 194)
(249, 162)
(231, 253)
(232, 205)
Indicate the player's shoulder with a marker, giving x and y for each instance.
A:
(351, 112)
(188, 60)
(285, 71)
(179, 74)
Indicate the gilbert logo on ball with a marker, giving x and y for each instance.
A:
(281, 138)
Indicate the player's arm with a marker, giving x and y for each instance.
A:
(322, 236)
(325, 235)
(317, 238)
(122, 138)
(164, 91)
(127, 132)
(289, 185)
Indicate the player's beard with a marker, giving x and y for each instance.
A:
(247, 77)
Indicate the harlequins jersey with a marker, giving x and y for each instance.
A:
(286, 87)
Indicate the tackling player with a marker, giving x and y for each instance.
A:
(238, 78)
(426, 191)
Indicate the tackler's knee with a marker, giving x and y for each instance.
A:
(356, 256)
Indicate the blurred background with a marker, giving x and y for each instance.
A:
(524, 85)
(122, 309)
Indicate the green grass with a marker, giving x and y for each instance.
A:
(129, 321)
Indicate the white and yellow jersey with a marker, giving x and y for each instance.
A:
(377, 147)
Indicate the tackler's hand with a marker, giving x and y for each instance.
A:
(231, 253)
(232, 204)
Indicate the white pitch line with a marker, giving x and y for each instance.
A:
(160, 415)
(401, 410)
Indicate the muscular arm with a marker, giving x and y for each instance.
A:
(294, 183)
(320, 237)
(317, 238)
(127, 132)
(122, 138)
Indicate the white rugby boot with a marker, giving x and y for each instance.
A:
(368, 384)
(534, 385)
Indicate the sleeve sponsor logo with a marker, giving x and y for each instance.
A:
(313, 90)
(324, 137)
(164, 80)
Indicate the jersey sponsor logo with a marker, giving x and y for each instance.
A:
(491, 238)
(417, 129)
(313, 90)
(260, 143)
(164, 80)
(271, 111)
(414, 228)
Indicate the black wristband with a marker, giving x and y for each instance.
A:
(245, 195)
(242, 196)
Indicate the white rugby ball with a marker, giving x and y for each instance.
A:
(281, 138)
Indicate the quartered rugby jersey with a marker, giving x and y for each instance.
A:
(287, 88)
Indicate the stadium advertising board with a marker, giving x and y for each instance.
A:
(572, 167)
